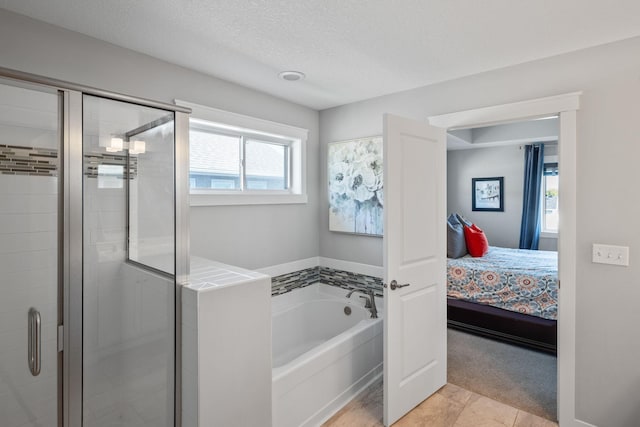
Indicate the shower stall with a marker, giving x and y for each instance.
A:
(94, 248)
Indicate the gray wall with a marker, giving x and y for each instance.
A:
(502, 228)
(607, 344)
(248, 236)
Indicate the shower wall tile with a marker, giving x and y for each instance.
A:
(29, 268)
(126, 308)
(104, 282)
(33, 241)
(93, 161)
(25, 184)
(27, 223)
(28, 204)
(11, 262)
(19, 160)
(329, 276)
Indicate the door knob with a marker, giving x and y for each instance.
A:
(393, 285)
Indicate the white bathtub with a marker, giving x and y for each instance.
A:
(322, 357)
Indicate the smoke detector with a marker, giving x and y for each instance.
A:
(291, 76)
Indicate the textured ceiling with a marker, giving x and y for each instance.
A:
(349, 50)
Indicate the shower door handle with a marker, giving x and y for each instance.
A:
(34, 344)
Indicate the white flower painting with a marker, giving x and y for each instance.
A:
(355, 186)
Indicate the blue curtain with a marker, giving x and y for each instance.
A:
(532, 199)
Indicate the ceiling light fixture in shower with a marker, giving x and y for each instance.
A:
(137, 147)
(114, 145)
(291, 76)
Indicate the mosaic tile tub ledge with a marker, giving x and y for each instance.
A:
(328, 276)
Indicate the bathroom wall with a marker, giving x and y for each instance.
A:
(247, 236)
(607, 351)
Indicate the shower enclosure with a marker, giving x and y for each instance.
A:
(94, 247)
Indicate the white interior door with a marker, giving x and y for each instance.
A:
(415, 323)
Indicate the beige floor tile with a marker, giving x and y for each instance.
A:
(437, 411)
(526, 419)
(365, 410)
(356, 416)
(455, 393)
(451, 406)
(372, 398)
(481, 411)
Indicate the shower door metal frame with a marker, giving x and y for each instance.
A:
(72, 259)
(71, 233)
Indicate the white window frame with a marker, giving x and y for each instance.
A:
(549, 234)
(270, 131)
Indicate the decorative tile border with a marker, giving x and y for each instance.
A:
(18, 160)
(329, 276)
(93, 160)
(349, 280)
(298, 279)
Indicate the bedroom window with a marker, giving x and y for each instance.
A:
(241, 160)
(550, 215)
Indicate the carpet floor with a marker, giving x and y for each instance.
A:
(519, 377)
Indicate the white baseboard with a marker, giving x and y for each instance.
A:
(354, 267)
(578, 423)
(290, 267)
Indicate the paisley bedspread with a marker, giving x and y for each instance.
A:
(512, 279)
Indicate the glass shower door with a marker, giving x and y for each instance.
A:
(128, 264)
(29, 274)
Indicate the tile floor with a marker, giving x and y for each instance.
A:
(451, 406)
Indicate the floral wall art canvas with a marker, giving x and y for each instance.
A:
(355, 186)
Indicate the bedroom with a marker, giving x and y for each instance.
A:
(485, 291)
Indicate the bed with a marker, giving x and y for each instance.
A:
(508, 294)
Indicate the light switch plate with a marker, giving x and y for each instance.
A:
(608, 254)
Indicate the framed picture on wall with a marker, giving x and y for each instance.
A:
(354, 171)
(487, 194)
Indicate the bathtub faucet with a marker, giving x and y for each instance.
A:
(371, 300)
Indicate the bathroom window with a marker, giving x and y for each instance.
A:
(236, 159)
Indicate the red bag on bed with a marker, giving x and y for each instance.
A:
(477, 243)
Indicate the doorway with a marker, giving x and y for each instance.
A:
(490, 306)
(565, 106)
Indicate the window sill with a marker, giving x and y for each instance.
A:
(246, 199)
(549, 234)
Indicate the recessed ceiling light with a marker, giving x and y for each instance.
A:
(291, 76)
